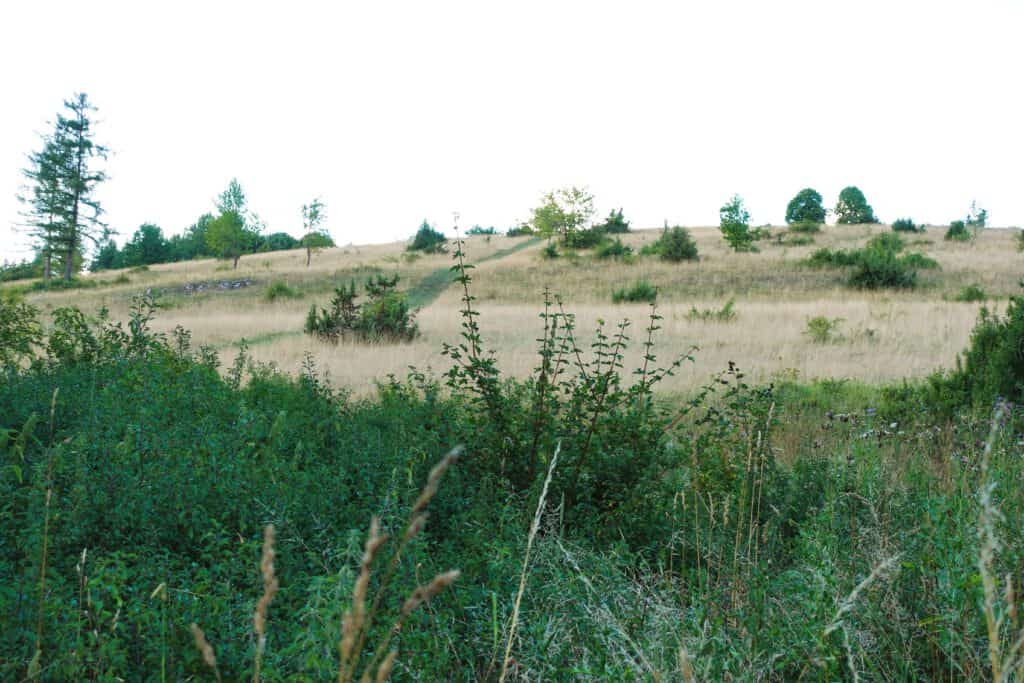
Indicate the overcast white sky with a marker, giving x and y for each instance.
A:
(393, 112)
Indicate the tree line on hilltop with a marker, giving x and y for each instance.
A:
(64, 219)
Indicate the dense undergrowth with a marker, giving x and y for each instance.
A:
(796, 532)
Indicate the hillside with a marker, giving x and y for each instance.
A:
(880, 336)
(574, 513)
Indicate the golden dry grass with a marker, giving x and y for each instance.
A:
(887, 335)
(907, 339)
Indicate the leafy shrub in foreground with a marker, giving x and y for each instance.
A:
(992, 366)
(20, 331)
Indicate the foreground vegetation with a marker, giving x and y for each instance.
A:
(828, 531)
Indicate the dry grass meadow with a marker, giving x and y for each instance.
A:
(884, 336)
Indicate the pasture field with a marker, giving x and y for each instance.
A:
(881, 336)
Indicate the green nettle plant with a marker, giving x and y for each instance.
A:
(735, 225)
(384, 316)
(853, 208)
(805, 207)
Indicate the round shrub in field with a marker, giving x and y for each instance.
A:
(675, 245)
(906, 225)
(880, 268)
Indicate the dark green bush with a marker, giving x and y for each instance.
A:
(674, 245)
(613, 249)
(958, 232)
(992, 366)
(428, 240)
(479, 230)
(58, 284)
(878, 265)
(971, 294)
(279, 289)
(521, 230)
(805, 227)
(584, 238)
(919, 261)
(614, 224)
(829, 258)
(879, 269)
(906, 225)
(277, 241)
(639, 291)
(384, 316)
(887, 241)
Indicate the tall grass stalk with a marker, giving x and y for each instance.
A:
(534, 526)
(270, 586)
(1008, 664)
